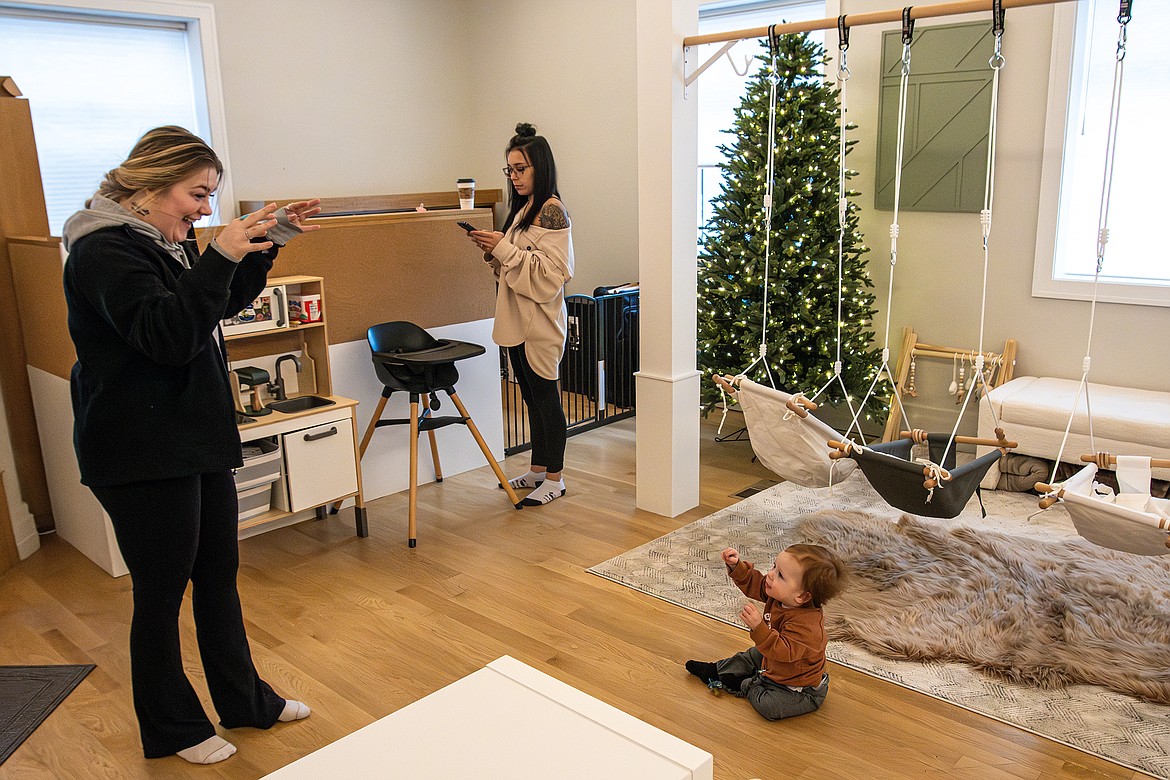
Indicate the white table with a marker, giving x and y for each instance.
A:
(511, 721)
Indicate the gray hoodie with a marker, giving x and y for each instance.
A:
(101, 212)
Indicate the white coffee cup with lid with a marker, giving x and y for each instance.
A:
(466, 188)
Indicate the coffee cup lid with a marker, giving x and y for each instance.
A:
(465, 181)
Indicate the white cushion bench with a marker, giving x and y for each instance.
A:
(1034, 411)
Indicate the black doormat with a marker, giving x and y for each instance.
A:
(28, 694)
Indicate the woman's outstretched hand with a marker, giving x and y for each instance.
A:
(236, 236)
(302, 210)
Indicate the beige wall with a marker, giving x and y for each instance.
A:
(569, 68)
(940, 257)
(344, 98)
(356, 97)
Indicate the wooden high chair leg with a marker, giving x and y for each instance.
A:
(487, 453)
(434, 445)
(372, 426)
(411, 525)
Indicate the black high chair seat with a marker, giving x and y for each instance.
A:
(445, 351)
(408, 359)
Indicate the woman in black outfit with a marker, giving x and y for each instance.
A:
(154, 423)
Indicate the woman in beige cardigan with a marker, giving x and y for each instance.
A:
(533, 260)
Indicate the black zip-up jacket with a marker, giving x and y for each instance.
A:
(152, 398)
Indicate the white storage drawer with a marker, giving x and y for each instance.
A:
(255, 501)
(261, 463)
(319, 464)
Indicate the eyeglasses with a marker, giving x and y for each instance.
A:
(516, 169)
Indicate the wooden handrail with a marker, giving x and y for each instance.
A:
(378, 204)
(857, 20)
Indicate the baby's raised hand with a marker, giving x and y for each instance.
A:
(751, 615)
(731, 556)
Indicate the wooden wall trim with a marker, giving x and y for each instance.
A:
(411, 266)
(418, 267)
(376, 204)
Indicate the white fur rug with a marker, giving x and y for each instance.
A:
(1042, 612)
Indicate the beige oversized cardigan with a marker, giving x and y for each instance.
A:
(533, 265)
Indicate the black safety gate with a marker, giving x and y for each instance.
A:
(597, 371)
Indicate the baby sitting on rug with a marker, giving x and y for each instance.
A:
(783, 675)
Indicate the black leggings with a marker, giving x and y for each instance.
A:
(546, 418)
(170, 532)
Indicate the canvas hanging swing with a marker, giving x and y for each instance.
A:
(785, 437)
(929, 483)
(1130, 520)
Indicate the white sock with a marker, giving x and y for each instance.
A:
(294, 710)
(210, 751)
(548, 491)
(530, 480)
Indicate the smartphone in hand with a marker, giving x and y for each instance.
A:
(466, 225)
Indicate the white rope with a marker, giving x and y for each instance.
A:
(843, 74)
(842, 200)
(937, 475)
(903, 89)
(774, 79)
(979, 378)
(1102, 238)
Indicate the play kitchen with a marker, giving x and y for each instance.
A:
(299, 439)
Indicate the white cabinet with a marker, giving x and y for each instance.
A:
(319, 464)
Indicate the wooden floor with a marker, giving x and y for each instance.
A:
(361, 627)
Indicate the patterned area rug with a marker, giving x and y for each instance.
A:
(28, 694)
(684, 568)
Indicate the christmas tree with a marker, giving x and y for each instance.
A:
(801, 335)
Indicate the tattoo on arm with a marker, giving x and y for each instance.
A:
(552, 217)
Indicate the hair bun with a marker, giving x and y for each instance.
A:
(525, 130)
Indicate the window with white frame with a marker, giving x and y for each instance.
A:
(1136, 266)
(98, 74)
(721, 89)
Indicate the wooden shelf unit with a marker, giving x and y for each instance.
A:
(312, 341)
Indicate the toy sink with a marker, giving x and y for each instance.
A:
(299, 404)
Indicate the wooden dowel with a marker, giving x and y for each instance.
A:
(857, 20)
(1048, 501)
(1156, 463)
(1011, 445)
(800, 406)
(724, 382)
(943, 352)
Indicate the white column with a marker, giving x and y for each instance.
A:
(668, 383)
